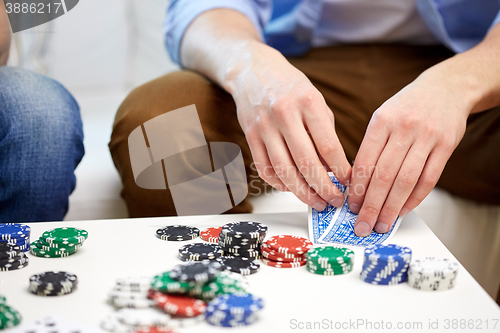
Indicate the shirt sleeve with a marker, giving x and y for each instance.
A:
(181, 13)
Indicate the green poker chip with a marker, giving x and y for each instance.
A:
(224, 283)
(9, 317)
(41, 244)
(2, 299)
(65, 235)
(330, 260)
(166, 284)
(54, 253)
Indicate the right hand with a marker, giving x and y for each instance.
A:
(277, 107)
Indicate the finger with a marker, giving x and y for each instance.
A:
(328, 144)
(428, 179)
(263, 164)
(403, 186)
(381, 182)
(287, 172)
(308, 164)
(373, 144)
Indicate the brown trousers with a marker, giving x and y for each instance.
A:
(354, 79)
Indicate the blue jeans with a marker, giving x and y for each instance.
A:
(41, 143)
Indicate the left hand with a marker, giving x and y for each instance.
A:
(405, 149)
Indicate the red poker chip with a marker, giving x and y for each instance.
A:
(154, 329)
(275, 256)
(289, 244)
(211, 234)
(180, 305)
(279, 264)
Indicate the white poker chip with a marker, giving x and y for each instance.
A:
(433, 274)
(134, 303)
(126, 295)
(143, 317)
(181, 322)
(134, 282)
(112, 324)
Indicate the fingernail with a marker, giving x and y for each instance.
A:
(319, 206)
(337, 202)
(381, 227)
(362, 229)
(354, 208)
(404, 211)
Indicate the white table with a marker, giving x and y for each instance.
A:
(293, 297)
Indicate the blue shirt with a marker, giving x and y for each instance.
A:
(288, 25)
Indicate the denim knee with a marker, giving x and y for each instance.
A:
(41, 143)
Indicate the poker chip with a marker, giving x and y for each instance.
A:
(249, 253)
(288, 244)
(433, 274)
(241, 265)
(20, 256)
(244, 230)
(65, 235)
(53, 283)
(242, 239)
(9, 251)
(233, 310)
(115, 294)
(179, 305)
(9, 317)
(195, 271)
(182, 322)
(14, 232)
(386, 264)
(279, 264)
(55, 253)
(164, 283)
(3, 300)
(177, 233)
(226, 282)
(211, 234)
(112, 324)
(200, 251)
(155, 329)
(270, 255)
(330, 260)
(18, 264)
(43, 245)
(133, 303)
(142, 317)
(134, 283)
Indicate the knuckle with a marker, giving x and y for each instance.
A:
(384, 176)
(407, 179)
(430, 180)
(304, 162)
(371, 211)
(281, 169)
(327, 147)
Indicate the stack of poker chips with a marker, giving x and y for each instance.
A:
(386, 264)
(285, 251)
(200, 251)
(330, 260)
(433, 274)
(242, 239)
(53, 283)
(16, 234)
(233, 310)
(131, 292)
(59, 242)
(9, 317)
(213, 282)
(12, 257)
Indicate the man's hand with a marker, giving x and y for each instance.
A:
(277, 106)
(412, 135)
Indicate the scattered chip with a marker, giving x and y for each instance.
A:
(196, 271)
(53, 283)
(177, 233)
(200, 251)
(241, 265)
(211, 234)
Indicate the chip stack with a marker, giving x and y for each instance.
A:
(53, 283)
(131, 292)
(59, 242)
(233, 310)
(12, 257)
(433, 274)
(386, 264)
(177, 233)
(242, 239)
(285, 251)
(330, 260)
(9, 317)
(200, 251)
(15, 234)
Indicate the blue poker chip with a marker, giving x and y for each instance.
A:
(386, 264)
(231, 310)
(387, 252)
(14, 232)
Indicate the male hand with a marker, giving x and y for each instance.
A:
(406, 146)
(278, 107)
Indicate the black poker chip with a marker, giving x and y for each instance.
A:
(8, 250)
(53, 283)
(200, 251)
(18, 257)
(244, 229)
(196, 271)
(241, 265)
(18, 264)
(177, 233)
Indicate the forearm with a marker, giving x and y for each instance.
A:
(222, 44)
(4, 35)
(473, 76)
